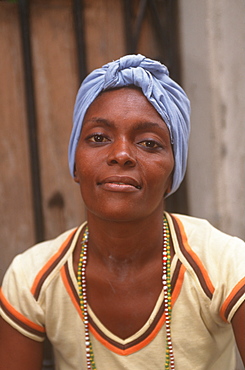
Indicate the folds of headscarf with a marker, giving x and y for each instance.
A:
(166, 96)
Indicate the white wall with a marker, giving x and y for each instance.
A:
(213, 70)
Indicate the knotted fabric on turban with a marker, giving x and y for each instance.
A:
(166, 96)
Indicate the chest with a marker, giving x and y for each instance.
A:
(123, 304)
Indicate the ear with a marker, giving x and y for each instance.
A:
(76, 179)
(168, 188)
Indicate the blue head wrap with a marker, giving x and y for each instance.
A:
(166, 96)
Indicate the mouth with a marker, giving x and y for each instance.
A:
(120, 183)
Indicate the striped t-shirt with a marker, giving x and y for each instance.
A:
(39, 297)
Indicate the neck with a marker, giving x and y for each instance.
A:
(131, 243)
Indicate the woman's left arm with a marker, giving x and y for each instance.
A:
(238, 324)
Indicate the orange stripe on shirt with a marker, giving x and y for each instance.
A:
(194, 256)
(133, 349)
(21, 318)
(50, 262)
(223, 311)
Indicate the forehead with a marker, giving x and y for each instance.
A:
(123, 104)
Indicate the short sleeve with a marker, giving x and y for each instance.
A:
(230, 284)
(18, 307)
(216, 261)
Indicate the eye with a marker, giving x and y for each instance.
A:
(98, 138)
(150, 144)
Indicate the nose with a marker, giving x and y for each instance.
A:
(122, 154)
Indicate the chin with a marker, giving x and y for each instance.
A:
(114, 216)
(123, 214)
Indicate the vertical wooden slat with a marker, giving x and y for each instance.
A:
(127, 15)
(17, 230)
(24, 15)
(78, 15)
(56, 83)
(105, 38)
(141, 11)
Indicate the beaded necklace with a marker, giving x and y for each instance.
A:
(166, 262)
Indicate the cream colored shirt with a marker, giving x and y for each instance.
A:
(40, 296)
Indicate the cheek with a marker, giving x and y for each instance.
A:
(83, 162)
(162, 177)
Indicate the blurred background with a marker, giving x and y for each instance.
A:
(46, 49)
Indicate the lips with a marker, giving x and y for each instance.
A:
(120, 183)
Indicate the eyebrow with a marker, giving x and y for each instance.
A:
(148, 125)
(138, 127)
(99, 120)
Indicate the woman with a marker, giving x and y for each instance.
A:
(134, 287)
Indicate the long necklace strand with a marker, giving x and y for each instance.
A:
(166, 281)
(83, 299)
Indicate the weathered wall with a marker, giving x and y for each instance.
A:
(213, 61)
(16, 226)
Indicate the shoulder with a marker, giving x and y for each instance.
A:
(26, 266)
(213, 255)
(197, 239)
(199, 232)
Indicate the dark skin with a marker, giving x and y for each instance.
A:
(125, 267)
(128, 144)
(238, 324)
(18, 351)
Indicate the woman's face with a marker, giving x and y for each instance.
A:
(124, 159)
